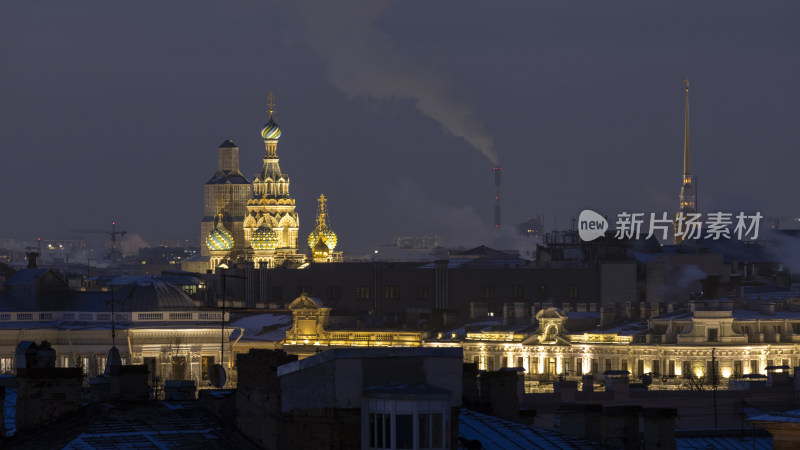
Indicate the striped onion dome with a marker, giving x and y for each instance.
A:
(271, 131)
(264, 239)
(219, 239)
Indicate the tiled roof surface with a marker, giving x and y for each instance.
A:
(496, 433)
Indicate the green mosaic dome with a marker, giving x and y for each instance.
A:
(264, 239)
(219, 239)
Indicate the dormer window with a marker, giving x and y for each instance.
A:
(713, 335)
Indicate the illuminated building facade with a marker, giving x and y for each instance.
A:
(311, 332)
(688, 196)
(672, 347)
(154, 323)
(675, 348)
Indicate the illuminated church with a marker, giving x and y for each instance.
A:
(256, 222)
(323, 240)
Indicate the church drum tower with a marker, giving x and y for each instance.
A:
(225, 194)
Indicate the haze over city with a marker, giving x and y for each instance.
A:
(397, 111)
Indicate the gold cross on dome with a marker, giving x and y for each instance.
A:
(271, 103)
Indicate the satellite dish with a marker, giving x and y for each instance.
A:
(647, 380)
(217, 375)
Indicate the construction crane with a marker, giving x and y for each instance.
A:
(114, 254)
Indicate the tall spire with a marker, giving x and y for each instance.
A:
(688, 197)
(686, 169)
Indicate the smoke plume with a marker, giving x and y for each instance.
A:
(688, 275)
(460, 226)
(131, 243)
(363, 62)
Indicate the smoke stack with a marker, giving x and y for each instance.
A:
(497, 170)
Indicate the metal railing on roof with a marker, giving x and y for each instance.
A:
(137, 316)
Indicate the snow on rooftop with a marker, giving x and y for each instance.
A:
(264, 327)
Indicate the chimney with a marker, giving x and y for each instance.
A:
(32, 255)
(520, 312)
(587, 383)
(607, 314)
(617, 382)
(500, 391)
(621, 426)
(711, 286)
(582, 421)
(497, 171)
(659, 427)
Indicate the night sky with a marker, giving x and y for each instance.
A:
(394, 110)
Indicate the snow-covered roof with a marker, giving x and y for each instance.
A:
(625, 329)
(269, 327)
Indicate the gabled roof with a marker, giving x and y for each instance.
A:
(306, 302)
(485, 251)
(228, 144)
(25, 277)
(231, 177)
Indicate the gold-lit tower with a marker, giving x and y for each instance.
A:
(271, 223)
(323, 240)
(688, 196)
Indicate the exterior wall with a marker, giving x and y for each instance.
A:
(45, 395)
(323, 397)
(404, 292)
(617, 283)
(258, 395)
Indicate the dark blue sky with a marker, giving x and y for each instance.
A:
(115, 112)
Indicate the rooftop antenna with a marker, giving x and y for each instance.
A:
(114, 358)
(113, 319)
(217, 375)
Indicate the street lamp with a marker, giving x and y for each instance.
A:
(222, 320)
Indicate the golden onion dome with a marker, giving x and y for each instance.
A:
(313, 238)
(329, 237)
(219, 239)
(325, 235)
(321, 249)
